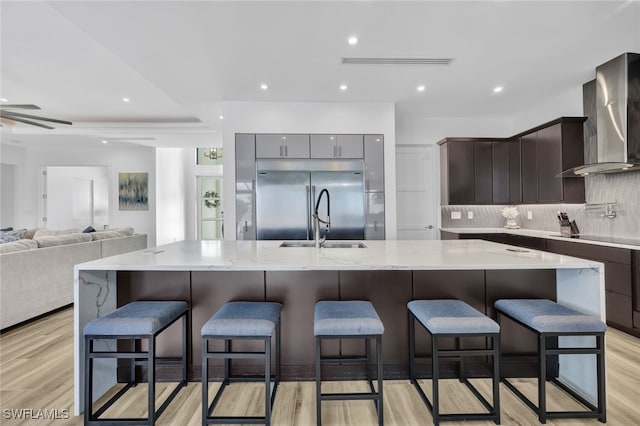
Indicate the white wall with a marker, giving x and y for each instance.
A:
(171, 191)
(567, 103)
(118, 158)
(303, 117)
(411, 130)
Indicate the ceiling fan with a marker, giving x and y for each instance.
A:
(8, 116)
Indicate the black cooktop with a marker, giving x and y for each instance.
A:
(605, 239)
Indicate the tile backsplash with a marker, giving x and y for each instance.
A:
(621, 188)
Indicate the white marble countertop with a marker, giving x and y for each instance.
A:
(540, 234)
(379, 255)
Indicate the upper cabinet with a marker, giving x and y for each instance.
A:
(546, 151)
(467, 172)
(282, 146)
(521, 169)
(374, 163)
(337, 146)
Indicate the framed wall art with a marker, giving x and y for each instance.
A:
(133, 191)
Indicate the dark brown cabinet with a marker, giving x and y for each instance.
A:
(467, 171)
(483, 174)
(546, 151)
(520, 169)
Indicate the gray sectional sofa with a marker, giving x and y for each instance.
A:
(36, 275)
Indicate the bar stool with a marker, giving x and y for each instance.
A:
(547, 320)
(134, 321)
(454, 318)
(348, 319)
(237, 321)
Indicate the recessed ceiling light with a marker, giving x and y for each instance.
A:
(498, 89)
(421, 88)
(343, 87)
(353, 40)
(263, 86)
(105, 141)
(126, 100)
(221, 117)
(4, 100)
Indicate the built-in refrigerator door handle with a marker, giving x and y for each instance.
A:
(280, 150)
(286, 151)
(339, 151)
(335, 151)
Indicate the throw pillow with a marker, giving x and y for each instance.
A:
(88, 229)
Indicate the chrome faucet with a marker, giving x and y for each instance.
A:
(317, 219)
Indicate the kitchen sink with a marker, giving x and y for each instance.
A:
(326, 244)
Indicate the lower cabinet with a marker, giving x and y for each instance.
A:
(621, 271)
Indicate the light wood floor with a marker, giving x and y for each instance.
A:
(36, 372)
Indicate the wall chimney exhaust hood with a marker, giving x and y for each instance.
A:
(617, 117)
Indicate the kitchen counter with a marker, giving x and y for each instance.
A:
(618, 242)
(389, 273)
(378, 255)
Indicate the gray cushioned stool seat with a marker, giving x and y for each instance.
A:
(346, 318)
(451, 317)
(243, 319)
(137, 319)
(546, 316)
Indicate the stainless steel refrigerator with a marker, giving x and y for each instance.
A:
(286, 193)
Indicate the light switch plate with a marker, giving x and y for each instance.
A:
(469, 215)
(529, 215)
(456, 215)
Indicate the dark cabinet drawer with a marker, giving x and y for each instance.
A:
(589, 251)
(618, 309)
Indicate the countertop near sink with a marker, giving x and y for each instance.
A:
(378, 255)
(633, 244)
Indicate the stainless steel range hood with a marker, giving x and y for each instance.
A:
(617, 116)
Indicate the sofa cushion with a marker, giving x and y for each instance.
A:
(60, 240)
(9, 236)
(30, 233)
(19, 245)
(112, 233)
(53, 232)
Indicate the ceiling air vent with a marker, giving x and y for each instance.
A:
(397, 61)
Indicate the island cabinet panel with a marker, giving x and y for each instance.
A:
(149, 285)
(298, 291)
(209, 292)
(467, 286)
(519, 284)
(389, 292)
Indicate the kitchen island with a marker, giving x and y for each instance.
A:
(208, 274)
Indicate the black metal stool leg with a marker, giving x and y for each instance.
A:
(435, 376)
(151, 375)
(318, 384)
(601, 380)
(495, 341)
(542, 378)
(205, 381)
(380, 380)
(267, 381)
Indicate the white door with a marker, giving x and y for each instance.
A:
(210, 214)
(416, 189)
(74, 197)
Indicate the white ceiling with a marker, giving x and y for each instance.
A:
(179, 61)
